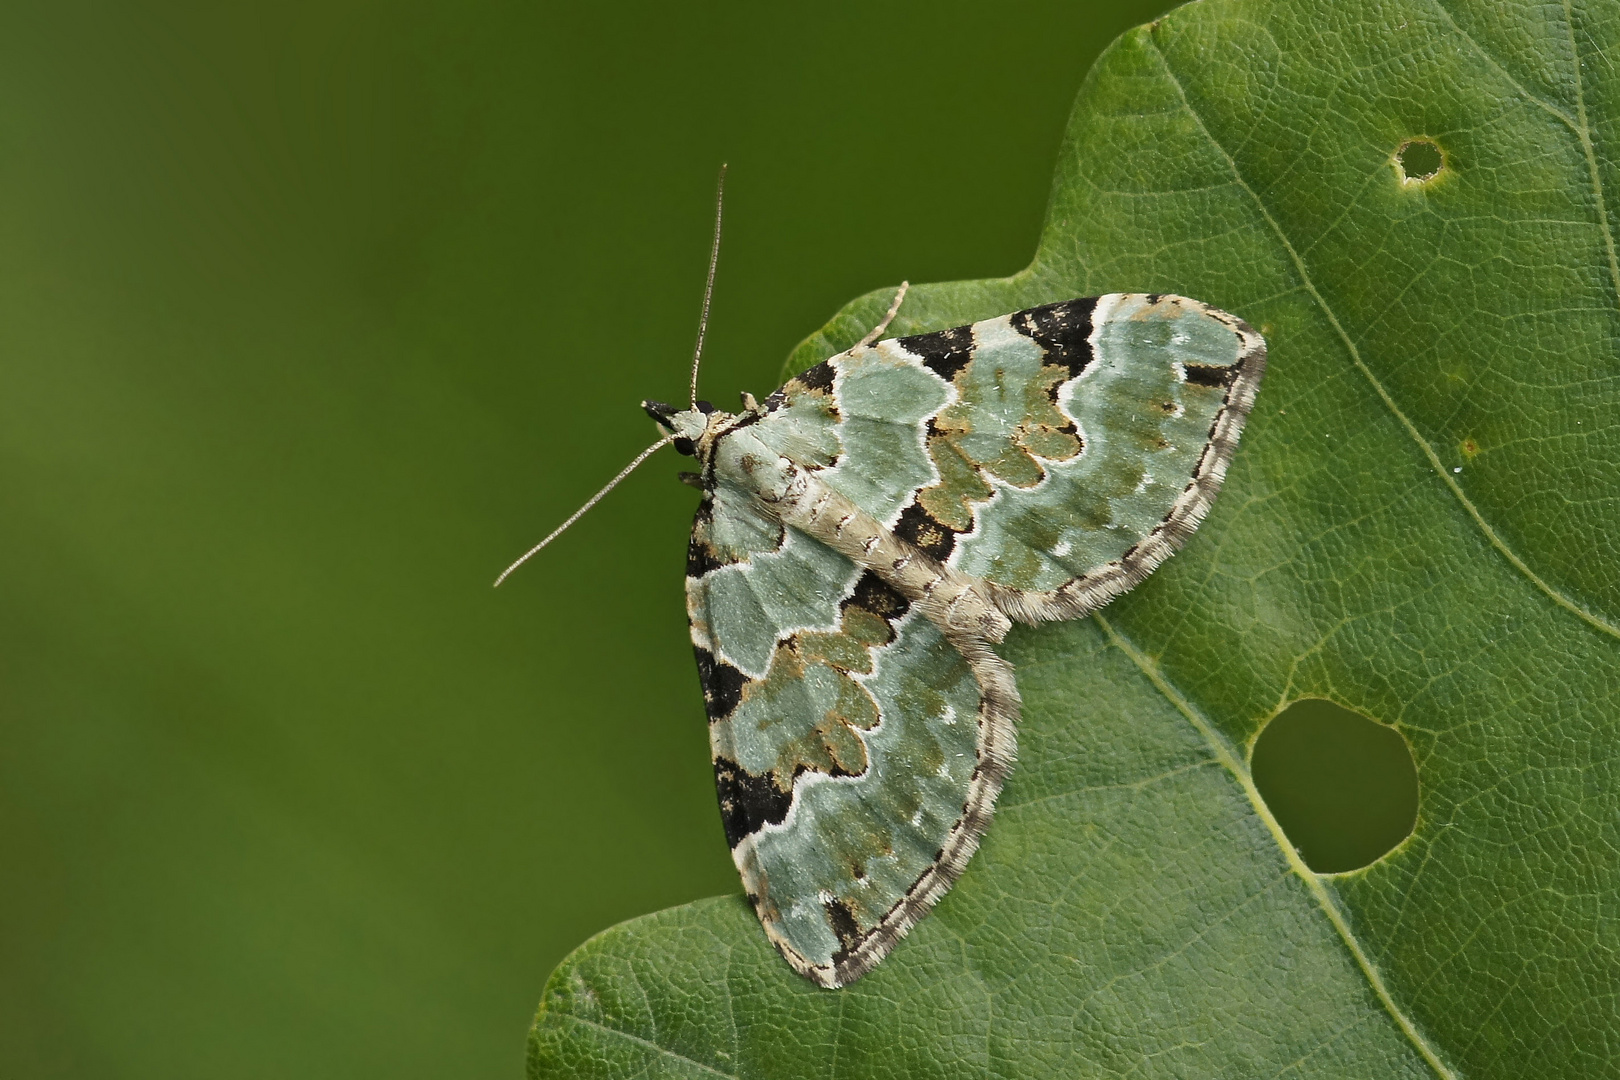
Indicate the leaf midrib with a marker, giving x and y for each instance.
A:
(1450, 483)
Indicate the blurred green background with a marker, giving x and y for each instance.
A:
(312, 316)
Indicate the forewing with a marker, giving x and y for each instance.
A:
(1067, 450)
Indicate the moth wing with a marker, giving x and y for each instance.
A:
(1058, 454)
(857, 753)
(1074, 447)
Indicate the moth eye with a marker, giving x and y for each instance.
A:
(705, 408)
(686, 446)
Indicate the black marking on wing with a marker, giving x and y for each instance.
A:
(944, 352)
(928, 535)
(748, 802)
(873, 594)
(700, 557)
(744, 420)
(1063, 330)
(722, 683)
(842, 921)
(1208, 375)
(819, 377)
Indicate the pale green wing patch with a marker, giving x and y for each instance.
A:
(744, 606)
(865, 411)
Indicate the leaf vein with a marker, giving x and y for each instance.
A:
(1227, 755)
(1138, 785)
(649, 1044)
(1490, 58)
(1583, 132)
(1183, 948)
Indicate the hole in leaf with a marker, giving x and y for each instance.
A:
(1419, 161)
(1343, 788)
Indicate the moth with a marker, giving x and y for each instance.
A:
(870, 532)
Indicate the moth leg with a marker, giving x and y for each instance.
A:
(894, 309)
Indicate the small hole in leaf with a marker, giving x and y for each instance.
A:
(1343, 788)
(1419, 161)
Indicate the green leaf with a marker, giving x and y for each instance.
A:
(1421, 525)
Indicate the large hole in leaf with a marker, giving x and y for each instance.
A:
(1343, 788)
(1419, 160)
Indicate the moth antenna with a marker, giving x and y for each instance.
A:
(888, 317)
(592, 501)
(708, 288)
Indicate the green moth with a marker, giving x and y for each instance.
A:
(870, 532)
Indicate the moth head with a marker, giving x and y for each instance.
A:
(689, 426)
